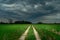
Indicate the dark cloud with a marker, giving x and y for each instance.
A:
(30, 10)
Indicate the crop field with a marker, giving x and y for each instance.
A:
(11, 31)
(48, 31)
(29, 32)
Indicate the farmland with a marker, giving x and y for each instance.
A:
(11, 31)
(14, 31)
(48, 31)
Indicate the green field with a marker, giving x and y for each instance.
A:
(30, 35)
(48, 31)
(11, 31)
(14, 31)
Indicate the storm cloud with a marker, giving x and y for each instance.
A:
(47, 11)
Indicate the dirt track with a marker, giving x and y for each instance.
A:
(24, 34)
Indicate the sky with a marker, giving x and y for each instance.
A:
(46, 11)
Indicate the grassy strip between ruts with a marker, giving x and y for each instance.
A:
(30, 35)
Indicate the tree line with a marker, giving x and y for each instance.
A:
(25, 22)
(17, 22)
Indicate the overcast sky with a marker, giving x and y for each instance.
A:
(47, 11)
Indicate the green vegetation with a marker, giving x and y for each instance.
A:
(30, 35)
(11, 31)
(48, 31)
(14, 31)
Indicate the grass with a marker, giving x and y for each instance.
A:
(11, 31)
(46, 31)
(30, 35)
(14, 31)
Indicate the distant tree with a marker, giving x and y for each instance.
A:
(22, 22)
(10, 20)
(56, 23)
(39, 23)
(2, 22)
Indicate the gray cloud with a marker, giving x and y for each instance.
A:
(31, 10)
